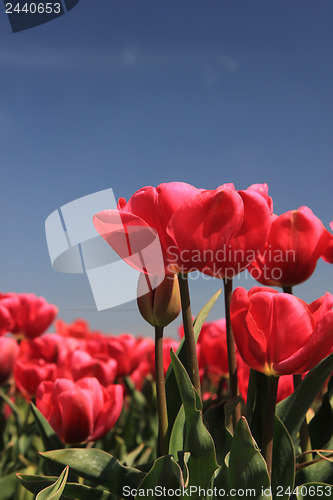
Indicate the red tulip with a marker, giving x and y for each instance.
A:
(296, 241)
(8, 305)
(8, 353)
(213, 355)
(279, 334)
(214, 232)
(6, 321)
(39, 359)
(328, 254)
(82, 364)
(77, 329)
(136, 223)
(81, 411)
(31, 315)
(124, 350)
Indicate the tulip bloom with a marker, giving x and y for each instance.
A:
(100, 366)
(81, 411)
(328, 254)
(206, 230)
(161, 305)
(8, 305)
(212, 342)
(279, 334)
(296, 241)
(31, 315)
(8, 353)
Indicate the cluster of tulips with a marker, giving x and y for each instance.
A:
(271, 348)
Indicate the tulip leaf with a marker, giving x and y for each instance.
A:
(244, 467)
(8, 486)
(320, 471)
(165, 473)
(202, 461)
(172, 393)
(293, 409)
(13, 407)
(98, 467)
(177, 433)
(49, 437)
(309, 491)
(72, 490)
(215, 419)
(54, 491)
(283, 466)
(247, 467)
(321, 425)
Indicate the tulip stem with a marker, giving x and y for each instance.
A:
(304, 434)
(160, 392)
(190, 343)
(231, 346)
(268, 430)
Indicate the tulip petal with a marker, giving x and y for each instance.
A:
(250, 341)
(252, 235)
(110, 412)
(129, 235)
(319, 345)
(286, 321)
(77, 415)
(203, 225)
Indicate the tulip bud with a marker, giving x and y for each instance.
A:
(161, 305)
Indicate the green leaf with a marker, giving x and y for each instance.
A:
(97, 466)
(54, 491)
(72, 490)
(215, 419)
(49, 437)
(165, 473)
(321, 426)
(202, 461)
(8, 487)
(172, 394)
(293, 409)
(283, 466)
(245, 467)
(178, 433)
(309, 491)
(13, 407)
(320, 471)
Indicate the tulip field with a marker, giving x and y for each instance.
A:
(240, 407)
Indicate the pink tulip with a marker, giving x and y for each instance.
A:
(80, 411)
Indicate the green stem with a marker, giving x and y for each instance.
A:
(190, 343)
(160, 392)
(304, 434)
(268, 430)
(231, 346)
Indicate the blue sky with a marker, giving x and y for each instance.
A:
(128, 93)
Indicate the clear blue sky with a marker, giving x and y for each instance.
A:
(128, 93)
